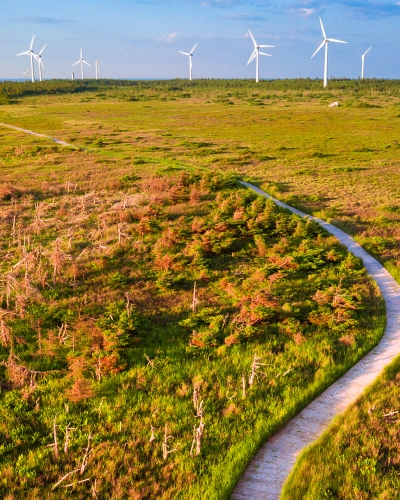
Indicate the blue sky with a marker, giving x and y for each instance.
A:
(141, 38)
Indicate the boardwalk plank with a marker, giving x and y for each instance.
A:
(267, 472)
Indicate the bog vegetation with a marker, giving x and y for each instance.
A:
(340, 164)
(143, 334)
(158, 321)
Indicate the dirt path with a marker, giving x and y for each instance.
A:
(267, 472)
(26, 131)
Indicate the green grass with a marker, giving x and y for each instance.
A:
(339, 163)
(107, 322)
(139, 216)
(357, 457)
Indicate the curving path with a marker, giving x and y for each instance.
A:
(269, 469)
(26, 131)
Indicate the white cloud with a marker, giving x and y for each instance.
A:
(305, 12)
(171, 37)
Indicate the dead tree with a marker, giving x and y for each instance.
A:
(57, 258)
(85, 459)
(255, 370)
(165, 446)
(196, 398)
(121, 232)
(129, 305)
(62, 333)
(194, 300)
(18, 374)
(198, 431)
(152, 437)
(54, 444)
(5, 334)
(67, 439)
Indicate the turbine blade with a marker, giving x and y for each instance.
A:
(322, 27)
(84, 62)
(365, 53)
(191, 52)
(264, 54)
(334, 40)
(319, 48)
(252, 37)
(32, 42)
(185, 53)
(266, 46)
(77, 62)
(253, 55)
(42, 49)
(81, 52)
(24, 53)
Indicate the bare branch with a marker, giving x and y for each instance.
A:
(63, 478)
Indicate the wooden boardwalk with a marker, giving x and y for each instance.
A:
(267, 472)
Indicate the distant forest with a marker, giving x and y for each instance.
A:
(11, 90)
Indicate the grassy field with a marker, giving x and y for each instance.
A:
(157, 321)
(358, 457)
(340, 164)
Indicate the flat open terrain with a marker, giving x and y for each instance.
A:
(157, 321)
(341, 164)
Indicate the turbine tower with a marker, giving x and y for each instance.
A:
(40, 63)
(31, 54)
(97, 68)
(82, 62)
(325, 42)
(363, 62)
(26, 73)
(190, 54)
(256, 53)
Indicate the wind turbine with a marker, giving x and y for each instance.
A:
(97, 68)
(362, 63)
(82, 62)
(26, 73)
(72, 75)
(256, 53)
(40, 63)
(31, 54)
(190, 54)
(325, 42)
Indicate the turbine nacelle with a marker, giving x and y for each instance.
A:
(81, 61)
(38, 58)
(366, 52)
(190, 54)
(31, 54)
(256, 52)
(325, 44)
(363, 62)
